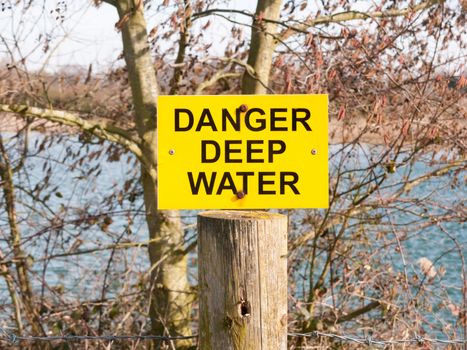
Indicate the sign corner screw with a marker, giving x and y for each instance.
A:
(241, 194)
(171, 152)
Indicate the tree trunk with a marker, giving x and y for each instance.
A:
(170, 307)
(262, 46)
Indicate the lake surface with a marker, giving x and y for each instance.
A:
(79, 185)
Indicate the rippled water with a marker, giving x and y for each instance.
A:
(73, 188)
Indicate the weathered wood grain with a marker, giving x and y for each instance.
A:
(242, 280)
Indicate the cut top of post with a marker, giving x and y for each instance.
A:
(241, 215)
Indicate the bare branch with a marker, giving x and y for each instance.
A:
(409, 185)
(248, 70)
(100, 129)
(363, 310)
(110, 2)
(356, 15)
(214, 79)
(335, 18)
(24, 282)
(210, 12)
(182, 45)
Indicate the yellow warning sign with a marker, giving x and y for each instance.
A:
(243, 152)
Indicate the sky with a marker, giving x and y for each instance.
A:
(87, 35)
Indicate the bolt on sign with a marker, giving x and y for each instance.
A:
(243, 152)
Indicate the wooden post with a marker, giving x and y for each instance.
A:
(242, 280)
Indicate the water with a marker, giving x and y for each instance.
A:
(77, 187)
(105, 186)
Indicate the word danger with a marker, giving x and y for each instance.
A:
(242, 151)
(254, 119)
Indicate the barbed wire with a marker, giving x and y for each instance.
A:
(14, 339)
(419, 340)
(375, 341)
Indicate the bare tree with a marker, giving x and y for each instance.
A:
(380, 93)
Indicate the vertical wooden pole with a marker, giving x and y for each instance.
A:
(242, 280)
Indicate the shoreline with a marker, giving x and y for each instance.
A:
(339, 132)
